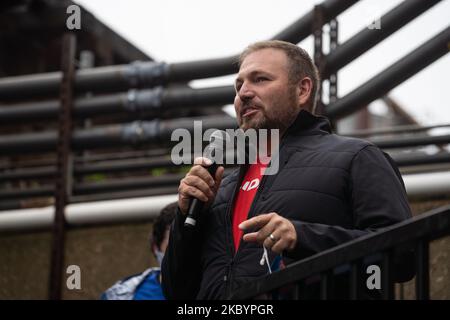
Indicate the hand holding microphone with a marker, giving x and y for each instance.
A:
(199, 187)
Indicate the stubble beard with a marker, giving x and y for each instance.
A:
(273, 118)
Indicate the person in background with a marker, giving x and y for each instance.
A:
(147, 285)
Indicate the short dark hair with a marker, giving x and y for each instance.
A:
(300, 65)
(162, 222)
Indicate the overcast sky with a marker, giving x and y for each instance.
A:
(180, 30)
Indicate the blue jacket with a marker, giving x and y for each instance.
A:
(144, 286)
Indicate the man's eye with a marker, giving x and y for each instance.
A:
(260, 79)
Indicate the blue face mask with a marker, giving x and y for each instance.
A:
(159, 256)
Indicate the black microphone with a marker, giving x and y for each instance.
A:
(213, 151)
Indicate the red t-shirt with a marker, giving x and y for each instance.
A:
(244, 199)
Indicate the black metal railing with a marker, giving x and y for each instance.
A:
(415, 233)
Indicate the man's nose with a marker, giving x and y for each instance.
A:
(245, 92)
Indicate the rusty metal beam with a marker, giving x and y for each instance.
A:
(63, 183)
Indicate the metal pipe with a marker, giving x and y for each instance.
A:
(46, 201)
(47, 172)
(427, 184)
(134, 101)
(100, 212)
(157, 131)
(155, 99)
(113, 166)
(64, 174)
(301, 29)
(139, 73)
(110, 78)
(138, 209)
(108, 166)
(121, 184)
(149, 74)
(389, 78)
(392, 130)
(110, 185)
(125, 194)
(148, 100)
(121, 155)
(12, 205)
(365, 39)
(295, 33)
(404, 142)
(405, 161)
(35, 192)
(115, 185)
(121, 165)
(134, 133)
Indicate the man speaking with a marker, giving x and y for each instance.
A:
(328, 189)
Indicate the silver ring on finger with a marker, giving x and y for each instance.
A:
(271, 237)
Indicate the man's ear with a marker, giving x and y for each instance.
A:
(305, 87)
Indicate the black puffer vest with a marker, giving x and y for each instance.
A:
(332, 188)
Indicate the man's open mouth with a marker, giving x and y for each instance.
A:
(249, 111)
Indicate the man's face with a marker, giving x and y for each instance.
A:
(264, 97)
